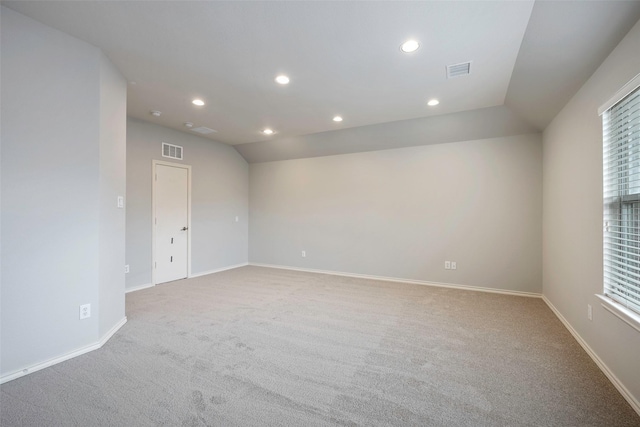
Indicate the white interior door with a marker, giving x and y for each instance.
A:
(171, 196)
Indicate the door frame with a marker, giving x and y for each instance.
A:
(154, 165)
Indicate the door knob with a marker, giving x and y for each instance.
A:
(185, 228)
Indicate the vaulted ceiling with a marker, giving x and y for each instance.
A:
(344, 58)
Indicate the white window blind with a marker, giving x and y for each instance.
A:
(621, 197)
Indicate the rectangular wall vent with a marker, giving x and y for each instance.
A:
(203, 130)
(171, 151)
(458, 70)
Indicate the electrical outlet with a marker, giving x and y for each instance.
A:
(304, 254)
(589, 312)
(126, 268)
(85, 311)
(447, 265)
(454, 265)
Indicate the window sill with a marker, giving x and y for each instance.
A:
(627, 316)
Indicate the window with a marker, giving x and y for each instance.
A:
(621, 197)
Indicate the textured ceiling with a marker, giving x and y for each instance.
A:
(343, 58)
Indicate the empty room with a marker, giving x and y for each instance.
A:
(317, 213)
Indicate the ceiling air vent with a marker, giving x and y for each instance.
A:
(457, 70)
(203, 130)
(171, 151)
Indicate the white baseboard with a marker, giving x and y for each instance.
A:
(203, 273)
(112, 331)
(603, 367)
(139, 288)
(218, 270)
(400, 280)
(60, 359)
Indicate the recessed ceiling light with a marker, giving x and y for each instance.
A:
(433, 102)
(337, 119)
(282, 79)
(268, 131)
(409, 46)
(155, 113)
(198, 102)
(188, 124)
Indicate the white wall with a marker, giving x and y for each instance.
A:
(572, 224)
(51, 194)
(401, 213)
(484, 123)
(219, 194)
(113, 152)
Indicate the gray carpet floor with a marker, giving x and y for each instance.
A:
(256, 346)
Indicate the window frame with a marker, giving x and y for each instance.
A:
(623, 202)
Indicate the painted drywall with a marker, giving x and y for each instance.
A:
(51, 191)
(219, 193)
(552, 64)
(572, 216)
(113, 152)
(491, 122)
(401, 213)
